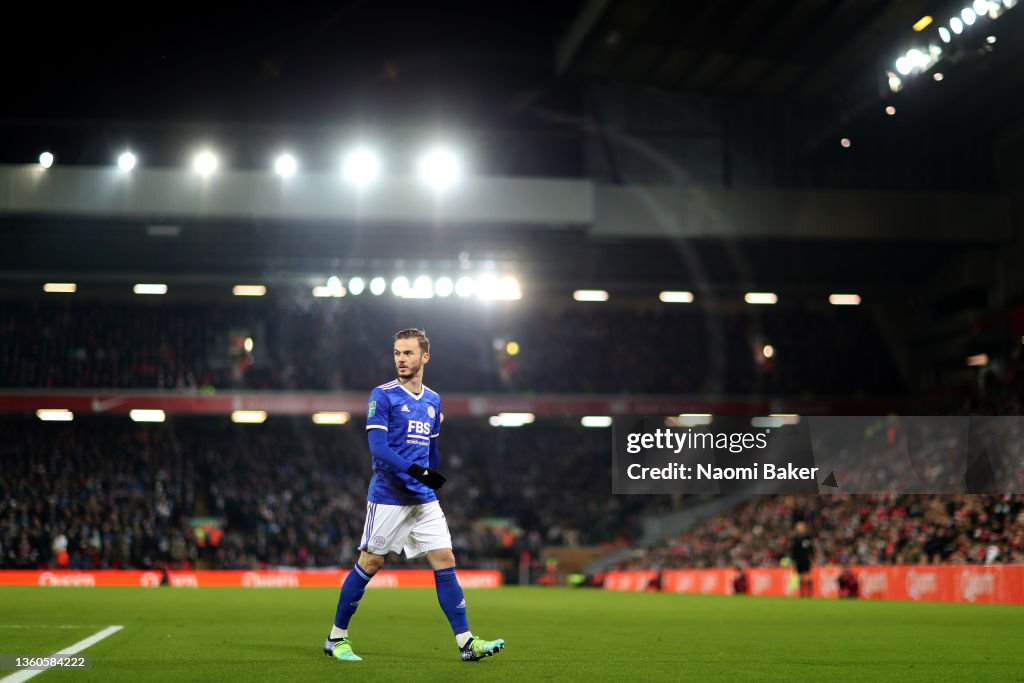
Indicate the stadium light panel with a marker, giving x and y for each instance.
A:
(844, 299)
(968, 16)
(400, 285)
(439, 168)
(977, 360)
(511, 419)
(944, 34)
(596, 421)
(55, 415)
(378, 285)
(422, 288)
(139, 415)
(676, 297)
(465, 287)
(590, 295)
(127, 161)
(60, 287)
(249, 416)
(286, 165)
(249, 290)
(330, 418)
(980, 7)
(767, 298)
(155, 289)
(443, 286)
(956, 25)
(205, 163)
(923, 23)
(356, 286)
(361, 167)
(46, 159)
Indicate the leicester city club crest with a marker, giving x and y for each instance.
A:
(431, 412)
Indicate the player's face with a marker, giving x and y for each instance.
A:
(409, 360)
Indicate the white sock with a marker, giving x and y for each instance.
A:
(338, 633)
(463, 638)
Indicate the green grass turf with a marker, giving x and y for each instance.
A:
(552, 634)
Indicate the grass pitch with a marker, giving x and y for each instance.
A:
(552, 634)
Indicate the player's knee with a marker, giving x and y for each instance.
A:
(370, 563)
(442, 558)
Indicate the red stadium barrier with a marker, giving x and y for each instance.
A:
(229, 578)
(996, 584)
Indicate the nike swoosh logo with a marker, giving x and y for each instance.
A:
(99, 406)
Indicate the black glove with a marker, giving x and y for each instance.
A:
(426, 476)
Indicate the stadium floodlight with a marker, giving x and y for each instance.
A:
(361, 167)
(444, 286)
(400, 285)
(248, 345)
(60, 287)
(938, 76)
(922, 23)
(766, 298)
(439, 168)
(977, 360)
(422, 288)
(968, 16)
(890, 110)
(127, 161)
(512, 348)
(356, 285)
(507, 289)
(917, 58)
(590, 295)
(956, 25)
(249, 290)
(768, 351)
(378, 285)
(904, 66)
(1009, 4)
(205, 163)
(46, 160)
(465, 287)
(980, 7)
(844, 299)
(330, 418)
(596, 421)
(689, 420)
(511, 419)
(286, 165)
(139, 415)
(253, 417)
(944, 34)
(991, 40)
(895, 82)
(55, 415)
(154, 289)
(676, 297)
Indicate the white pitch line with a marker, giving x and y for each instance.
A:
(25, 674)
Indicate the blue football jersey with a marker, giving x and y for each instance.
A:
(411, 421)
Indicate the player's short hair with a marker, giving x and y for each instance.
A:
(415, 333)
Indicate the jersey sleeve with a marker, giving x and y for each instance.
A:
(378, 410)
(435, 431)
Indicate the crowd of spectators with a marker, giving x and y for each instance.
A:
(342, 345)
(851, 529)
(204, 492)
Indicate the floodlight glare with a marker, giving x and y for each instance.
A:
(400, 285)
(444, 286)
(126, 162)
(356, 285)
(46, 160)
(361, 167)
(285, 166)
(904, 66)
(465, 287)
(980, 7)
(378, 285)
(205, 163)
(968, 16)
(956, 25)
(439, 168)
(944, 34)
